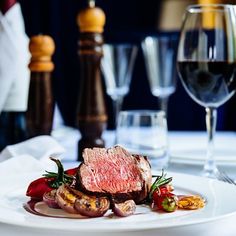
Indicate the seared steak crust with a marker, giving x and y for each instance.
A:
(116, 173)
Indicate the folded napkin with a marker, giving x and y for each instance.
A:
(31, 155)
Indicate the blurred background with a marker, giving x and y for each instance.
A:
(126, 21)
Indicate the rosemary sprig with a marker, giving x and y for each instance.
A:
(160, 181)
(60, 177)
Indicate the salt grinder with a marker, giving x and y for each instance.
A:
(91, 113)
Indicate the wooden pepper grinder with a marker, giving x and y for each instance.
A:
(39, 115)
(91, 116)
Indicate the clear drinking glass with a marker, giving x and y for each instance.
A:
(206, 63)
(145, 132)
(117, 67)
(160, 59)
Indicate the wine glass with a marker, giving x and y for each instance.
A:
(160, 58)
(206, 63)
(117, 67)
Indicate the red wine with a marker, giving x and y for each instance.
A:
(209, 83)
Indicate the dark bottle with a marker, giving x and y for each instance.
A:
(39, 115)
(12, 112)
(12, 128)
(91, 115)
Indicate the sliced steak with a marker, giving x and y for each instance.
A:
(115, 172)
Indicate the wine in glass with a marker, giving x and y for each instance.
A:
(206, 63)
(117, 67)
(160, 58)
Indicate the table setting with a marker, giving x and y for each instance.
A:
(139, 178)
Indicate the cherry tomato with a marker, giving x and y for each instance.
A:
(165, 201)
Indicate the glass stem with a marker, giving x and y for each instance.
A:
(210, 165)
(163, 104)
(117, 107)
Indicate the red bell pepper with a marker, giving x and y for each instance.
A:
(38, 187)
(71, 171)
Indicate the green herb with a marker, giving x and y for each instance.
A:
(160, 181)
(60, 177)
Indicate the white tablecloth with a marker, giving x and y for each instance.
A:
(187, 149)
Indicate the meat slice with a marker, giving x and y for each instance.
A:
(116, 172)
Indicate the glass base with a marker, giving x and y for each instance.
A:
(160, 162)
(210, 173)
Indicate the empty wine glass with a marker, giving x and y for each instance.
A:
(160, 58)
(117, 66)
(206, 63)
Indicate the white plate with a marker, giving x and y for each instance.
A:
(216, 193)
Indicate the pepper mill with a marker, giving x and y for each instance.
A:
(39, 115)
(91, 113)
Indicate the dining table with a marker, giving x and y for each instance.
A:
(187, 151)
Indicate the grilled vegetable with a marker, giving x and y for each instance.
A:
(74, 201)
(123, 209)
(92, 206)
(65, 198)
(50, 199)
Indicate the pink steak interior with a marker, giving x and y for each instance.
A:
(112, 170)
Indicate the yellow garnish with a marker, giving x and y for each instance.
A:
(191, 202)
